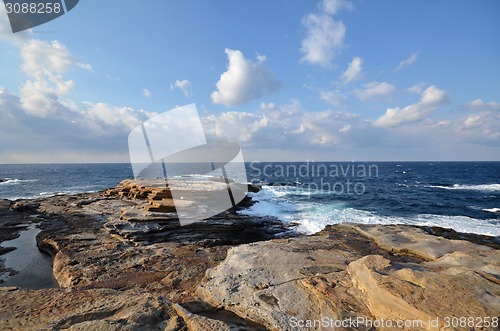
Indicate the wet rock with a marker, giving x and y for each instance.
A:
(25, 205)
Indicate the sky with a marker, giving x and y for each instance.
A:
(301, 80)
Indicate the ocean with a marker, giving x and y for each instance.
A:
(464, 196)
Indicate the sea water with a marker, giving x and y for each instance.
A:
(464, 196)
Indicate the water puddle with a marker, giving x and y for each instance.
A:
(34, 267)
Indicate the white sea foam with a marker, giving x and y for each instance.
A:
(313, 216)
(493, 210)
(10, 181)
(14, 181)
(481, 187)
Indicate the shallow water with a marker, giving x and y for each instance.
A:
(34, 266)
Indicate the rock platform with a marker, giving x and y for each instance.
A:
(123, 261)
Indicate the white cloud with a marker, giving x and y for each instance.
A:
(374, 90)
(473, 121)
(45, 63)
(482, 127)
(146, 93)
(335, 98)
(406, 62)
(42, 98)
(243, 81)
(43, 94)
(41, 56)
(354, 70)
(324, 35)
(122, 118)
(480, 104)
(183, 85)
(430, 100)
(285, 127)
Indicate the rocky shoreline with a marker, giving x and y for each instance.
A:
(123, 262)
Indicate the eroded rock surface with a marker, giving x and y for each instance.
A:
(350, 271)
(124, 262)
(96, 309)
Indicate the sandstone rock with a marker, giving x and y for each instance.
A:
(343, 273)
(8, 288)
(412, 240)
(168, 205)
(121, 267)
(271, 282)
(101, 309)
(196, 322)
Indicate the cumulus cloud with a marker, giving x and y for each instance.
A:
(354, 70)
(184, 86)
(431, 99)
(375, 90)
(324, 35)
(124, 118)
(483, 125)
(41, 124)
(406, 62)
(45, 63)
(244, 80)
(41, 56)
(287, 126)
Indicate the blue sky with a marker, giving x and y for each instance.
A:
(287, 80)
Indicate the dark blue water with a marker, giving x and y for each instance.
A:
(27, 181)
(464, 196)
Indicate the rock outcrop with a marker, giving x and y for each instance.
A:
(124, 262)
(391, 273)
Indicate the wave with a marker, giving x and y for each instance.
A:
(493, 210)
(311, 216)
(480, 187)
(8, 181)
(14, 181)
